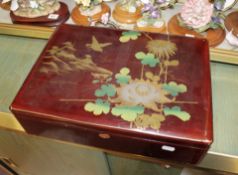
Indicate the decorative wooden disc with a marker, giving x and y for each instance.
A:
(63, 15)
(80, 19)
(152, 29)
(214, 36)
(6, 6)
(231, 22)
(123, 16)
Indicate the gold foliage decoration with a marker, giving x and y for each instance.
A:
(162, 48)
(149, 121)
(61, 60)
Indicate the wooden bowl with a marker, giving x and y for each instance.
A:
(214, 36)
(80, 19)
(63, 15)
(231, 22)
(123, 16)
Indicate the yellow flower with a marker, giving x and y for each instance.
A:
(162, 48)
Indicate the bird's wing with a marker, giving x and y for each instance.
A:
(94, 40)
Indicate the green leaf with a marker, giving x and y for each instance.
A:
(97, 108)
(123, 77)
(174, 89)
(176, 111)
(128, 113)
(147, 59)
(140, 55)
(108, 90)
(130, 35)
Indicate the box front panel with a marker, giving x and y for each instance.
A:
(107, 141)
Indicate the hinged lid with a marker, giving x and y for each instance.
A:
(150, 86)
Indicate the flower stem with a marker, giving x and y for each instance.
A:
(183, 102)
(166, 74)
(161, 69)
(148, 36)
(142, 72)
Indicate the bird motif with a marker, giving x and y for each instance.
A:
(96, 46)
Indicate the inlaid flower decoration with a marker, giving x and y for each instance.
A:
(200, 15)
(141, 100)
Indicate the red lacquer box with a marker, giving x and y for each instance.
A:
(125, 91)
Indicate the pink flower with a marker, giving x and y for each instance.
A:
(197, 13)
(105, 18)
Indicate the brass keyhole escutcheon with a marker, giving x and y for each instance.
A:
(104, 136)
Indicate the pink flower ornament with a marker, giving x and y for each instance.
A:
(196, 13)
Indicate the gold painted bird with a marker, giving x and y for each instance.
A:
(96, 46)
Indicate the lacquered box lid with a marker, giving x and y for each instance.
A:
(148, 85)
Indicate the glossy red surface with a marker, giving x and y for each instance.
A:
(49, 100)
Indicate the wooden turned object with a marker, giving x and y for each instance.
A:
(63, 13)
(152, 29)
(124, 16)
(214, 36)
(80, 19)
(231, 22)
(6, 6)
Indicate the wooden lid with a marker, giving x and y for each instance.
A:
(231, 22)
(214, 36)
(63, 15)
(80, 19)
(118, 80)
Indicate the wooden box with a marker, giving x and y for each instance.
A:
(125, 91)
